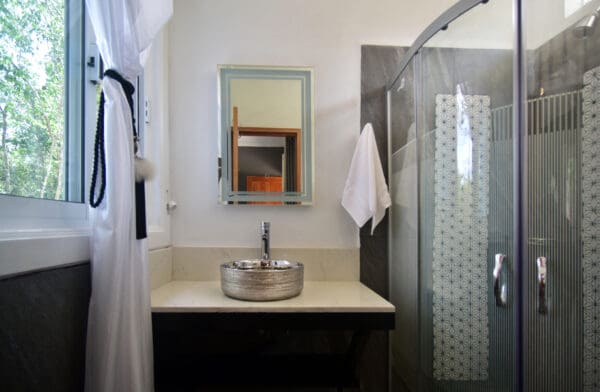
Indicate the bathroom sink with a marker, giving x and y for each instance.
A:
(262, 280)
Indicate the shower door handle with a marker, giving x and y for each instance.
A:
(499, 290)
(541, 265)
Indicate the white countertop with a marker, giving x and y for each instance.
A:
(316, 297)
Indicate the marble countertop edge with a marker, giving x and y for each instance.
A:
(316, 297)
(282, 309)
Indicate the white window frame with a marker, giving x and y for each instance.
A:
(37, 233)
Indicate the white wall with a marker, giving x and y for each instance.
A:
(326, 35)
(155, 140)
(487, 26)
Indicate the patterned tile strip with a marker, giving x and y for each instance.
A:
(590, 182)
(461, 194)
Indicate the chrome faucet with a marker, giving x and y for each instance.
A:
(265, 249)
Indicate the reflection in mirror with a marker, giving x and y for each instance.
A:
(265, 135)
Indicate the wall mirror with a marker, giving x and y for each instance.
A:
(265, 135)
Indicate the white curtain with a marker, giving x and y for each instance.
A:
(119, 338)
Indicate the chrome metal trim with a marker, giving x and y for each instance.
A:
(388, 102)
(520, 209)
(542, 272)
(499, 289)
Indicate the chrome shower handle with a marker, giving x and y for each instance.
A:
(541, 265)
(499, 290)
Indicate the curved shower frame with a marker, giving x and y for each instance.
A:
(519, 150)
(441, 23)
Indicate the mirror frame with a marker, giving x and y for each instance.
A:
(227, 73)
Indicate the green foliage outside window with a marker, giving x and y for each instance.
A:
(32, 98)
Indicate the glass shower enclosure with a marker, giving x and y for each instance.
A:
(494, 172)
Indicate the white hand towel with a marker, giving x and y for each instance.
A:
(366, 193)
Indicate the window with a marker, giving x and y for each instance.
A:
(47, 112)
(572, 6)
(41, 99)
(48, 66)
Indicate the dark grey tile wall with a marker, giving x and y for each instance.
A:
(378, 64)
(558, 65)
(443, 70)
(43, 319)
(477, 72)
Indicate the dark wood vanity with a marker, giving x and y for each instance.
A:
(206, 341)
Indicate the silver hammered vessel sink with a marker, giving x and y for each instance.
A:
(262, 280)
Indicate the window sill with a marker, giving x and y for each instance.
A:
(32, 250)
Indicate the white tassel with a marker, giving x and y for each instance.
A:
(144, 169)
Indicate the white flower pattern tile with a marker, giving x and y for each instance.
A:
(461, 183)
(590, 183)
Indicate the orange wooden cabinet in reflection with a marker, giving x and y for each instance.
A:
(264, 184)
